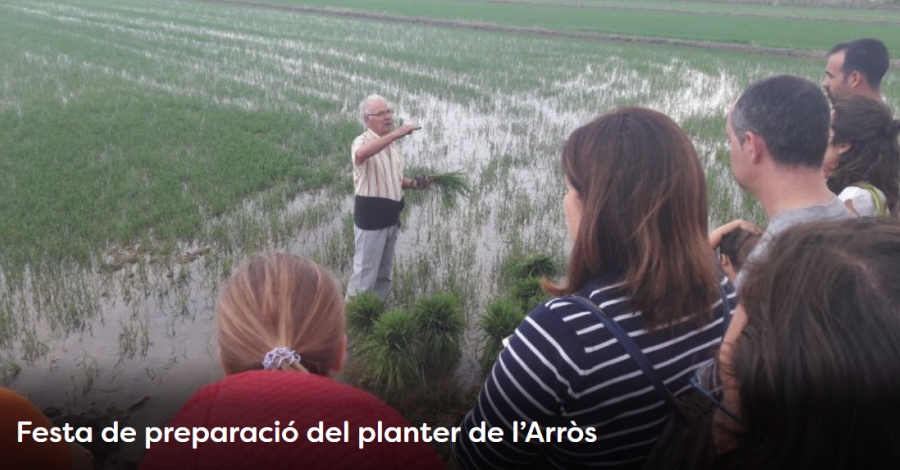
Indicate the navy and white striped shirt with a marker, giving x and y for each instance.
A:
(563, 365)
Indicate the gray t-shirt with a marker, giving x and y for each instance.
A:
(832, 210)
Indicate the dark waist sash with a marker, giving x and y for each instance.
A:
(375, 213)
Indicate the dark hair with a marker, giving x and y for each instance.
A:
(791, 114)
(874, 154)
(644, 216)
(867, 56)
(818, 363)
(737, 245)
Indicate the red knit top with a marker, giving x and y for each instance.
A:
(258, 399)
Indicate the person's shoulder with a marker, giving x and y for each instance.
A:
(365, 136)
(9, 397)
(564, 316)
(12, 404)
(601, 292)
(851, 192)
(288, 391)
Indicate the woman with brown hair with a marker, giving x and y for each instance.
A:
(810, 366)
(862, 161)
(636, 212)
(280, 324)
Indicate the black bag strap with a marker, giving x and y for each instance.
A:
(726, 311)
(633, 350)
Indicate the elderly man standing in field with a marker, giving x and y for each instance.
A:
(856, 67)
(778, 132)
(379, 183)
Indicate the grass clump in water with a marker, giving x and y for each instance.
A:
(390, 351)
(363, 311)
(500, 321)
(528, 292)
(441, 323)
(535, 265)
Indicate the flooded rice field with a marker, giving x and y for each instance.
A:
(135, 320)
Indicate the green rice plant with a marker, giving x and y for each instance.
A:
(451, 185)
(32, 347)
(537, 265)
(516, 267)
(9, 369)
(528, 292)
(500, 321)
(363, 311)
(441, 323)
(390, 352)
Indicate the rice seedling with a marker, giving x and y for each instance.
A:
(9, 369)
(450, 186)
(32, 347)
(537, 265)
(499, 321)
(390, 352)
(363, 311)
(89, 372)
(441, 322)
(528, 292)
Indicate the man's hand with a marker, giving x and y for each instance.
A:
(419, 182)
(406, 129)
(422, 182)
(715, 237)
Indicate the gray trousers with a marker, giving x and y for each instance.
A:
(373, 261)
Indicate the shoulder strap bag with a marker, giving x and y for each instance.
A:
(686, 441)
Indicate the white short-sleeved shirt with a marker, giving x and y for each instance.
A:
(862, 199)
(380, 175)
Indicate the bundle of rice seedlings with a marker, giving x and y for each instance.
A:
(537, 265)
(500, 321)
(451, 185)
(528, 292)
(390, 351)
(363, 311)
(441, 323)
(517, 267)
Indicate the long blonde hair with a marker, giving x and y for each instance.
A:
(279, 300)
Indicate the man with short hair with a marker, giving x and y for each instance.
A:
(378, 185)
(778, 131)
(856, 67)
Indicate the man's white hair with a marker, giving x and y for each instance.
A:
(366, 104)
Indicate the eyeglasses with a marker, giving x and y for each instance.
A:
(706, 380)
(382, 113)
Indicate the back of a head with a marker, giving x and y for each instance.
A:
(277, 300)
(874, 153)
(818, 362)
(644, 216)
(737, 245)
(867, 56)
(791, 114)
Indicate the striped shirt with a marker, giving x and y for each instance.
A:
(563, 366)
(380, 175)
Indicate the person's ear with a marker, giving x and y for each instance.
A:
(342, 356)
(855, 79)
(728, 267)
(843, 148)
(757, 146)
